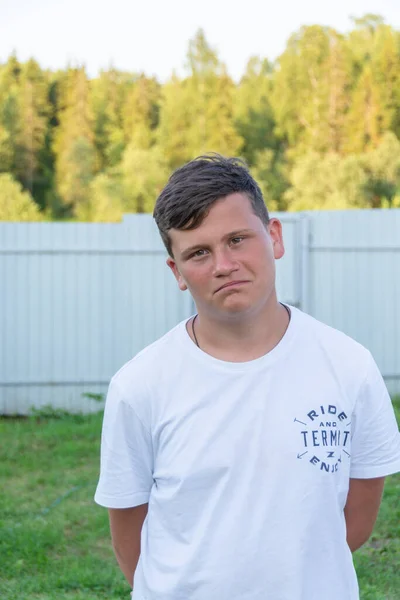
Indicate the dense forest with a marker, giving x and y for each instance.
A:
(319, 127)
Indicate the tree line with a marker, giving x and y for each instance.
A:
(319, 127)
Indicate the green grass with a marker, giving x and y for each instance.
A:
(51, 550)
(54, 541)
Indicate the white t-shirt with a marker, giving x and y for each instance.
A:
(246, 466)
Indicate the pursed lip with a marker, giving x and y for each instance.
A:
(231, 284)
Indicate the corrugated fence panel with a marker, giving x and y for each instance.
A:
(355, 284)
(79, 300)
(288, 272)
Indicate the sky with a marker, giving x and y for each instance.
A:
(152, 36)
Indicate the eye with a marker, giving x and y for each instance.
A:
(198, 253)
(236, 240)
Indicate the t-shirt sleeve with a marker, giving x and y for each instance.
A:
(375, 434)
(126, 463)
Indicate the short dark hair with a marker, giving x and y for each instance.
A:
(193, 188)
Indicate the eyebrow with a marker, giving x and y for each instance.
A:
(231, 234)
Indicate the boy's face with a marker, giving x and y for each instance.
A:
(228, 262)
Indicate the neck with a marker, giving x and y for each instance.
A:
(244, 339)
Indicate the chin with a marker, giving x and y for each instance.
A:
(237, 308)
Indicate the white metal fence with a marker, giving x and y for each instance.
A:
(77, 300)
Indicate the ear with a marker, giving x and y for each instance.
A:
(181, 282)
(275, 232)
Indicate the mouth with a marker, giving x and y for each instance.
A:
(231, 284)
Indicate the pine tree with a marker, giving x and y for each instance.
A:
(197, 113)
(360, 40)
(221, 135)
(107, 97)
(286, 92)
(363, 119)
(383, 167)
(253, 114)
(311, 90)
(338, 84)
(141, 112)
(34, 111)
(385, 68)
(211, 91)
(172, 135)
(271, 173)
(298, 98)
(329, 182)
(15, 203)
(374, 106)
(143, 173)
(76, 158)
(9, 115)
(103, 202)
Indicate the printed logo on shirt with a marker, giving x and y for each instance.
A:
(325, 437)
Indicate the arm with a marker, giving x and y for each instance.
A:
(126, 526)
(361, 509)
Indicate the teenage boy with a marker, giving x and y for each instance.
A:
(244, 453)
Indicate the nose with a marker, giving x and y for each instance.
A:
(224, 264)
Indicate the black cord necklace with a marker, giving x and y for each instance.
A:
(194, 335)
(195, 317)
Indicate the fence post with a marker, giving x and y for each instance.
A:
(305, 266)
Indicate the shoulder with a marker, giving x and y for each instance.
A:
(343, 353)
(329, 336)
(146, 365)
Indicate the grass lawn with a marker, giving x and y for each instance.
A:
(54, 541)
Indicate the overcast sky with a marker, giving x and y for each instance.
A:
(152, 36)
